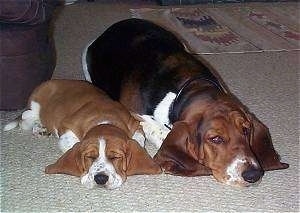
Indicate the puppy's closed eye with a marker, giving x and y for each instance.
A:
(115, 156)
(93, 158)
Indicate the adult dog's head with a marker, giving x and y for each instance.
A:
(219, 139)
(105, 157)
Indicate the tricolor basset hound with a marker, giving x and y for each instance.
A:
(149, 70)
(102, 142)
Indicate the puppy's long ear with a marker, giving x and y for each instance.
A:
(75, 161)
(179, 153)
(262, 146)
(138, 161)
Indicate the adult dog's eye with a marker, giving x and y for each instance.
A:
(217, 140)
(246, 131)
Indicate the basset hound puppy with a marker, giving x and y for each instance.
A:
(102, 142)
(149, 70)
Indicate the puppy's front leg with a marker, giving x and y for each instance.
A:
(39, 129)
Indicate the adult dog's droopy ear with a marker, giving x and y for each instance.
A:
(179, 153)
(75, 161)
(262, 146)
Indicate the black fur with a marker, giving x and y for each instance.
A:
(136, 48)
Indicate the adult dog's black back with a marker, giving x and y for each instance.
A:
(137, 50)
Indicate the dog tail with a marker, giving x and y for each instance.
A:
(13, 124)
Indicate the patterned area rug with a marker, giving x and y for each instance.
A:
(238, 29)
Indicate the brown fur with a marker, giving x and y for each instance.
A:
(79, 106)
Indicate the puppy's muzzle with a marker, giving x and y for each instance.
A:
(101, 178)
(252, 175)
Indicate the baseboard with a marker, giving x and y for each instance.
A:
(186, 2)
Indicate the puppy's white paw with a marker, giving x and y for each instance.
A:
(30, 117)
(38, 129)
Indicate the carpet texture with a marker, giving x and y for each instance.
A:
(267, 82)
(231, 29)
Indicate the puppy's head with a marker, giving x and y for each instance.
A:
(105, 157)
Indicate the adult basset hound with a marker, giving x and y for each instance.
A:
(102, 142)
(149, 70)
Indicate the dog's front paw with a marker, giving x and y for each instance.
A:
(39, 130)
(155, 131)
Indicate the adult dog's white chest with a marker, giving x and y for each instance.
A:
(161, 111)
(157, 126)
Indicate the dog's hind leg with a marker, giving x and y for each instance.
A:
(31, 117)
(28, 120)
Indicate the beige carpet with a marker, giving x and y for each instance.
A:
(268, 83)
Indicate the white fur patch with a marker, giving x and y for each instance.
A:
(155, 131)
(139, 137)
(154, 126)
(67, 141)
(233, 171)
(11, 125)
(55, 133)
(38, 129)
(104, 122)
(29, 120)
(161, 112)
(84, 62)
(254, 163)
(31, 117)
(102, 165)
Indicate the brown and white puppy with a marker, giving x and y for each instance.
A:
(102, 142)
(150, 71)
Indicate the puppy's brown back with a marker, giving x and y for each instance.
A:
(76, 105)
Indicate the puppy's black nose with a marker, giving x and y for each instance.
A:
(252, 175)
(100, 178)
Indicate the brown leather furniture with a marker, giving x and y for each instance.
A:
(27, 53)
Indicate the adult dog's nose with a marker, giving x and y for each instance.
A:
(252, 175)
(100, 178)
